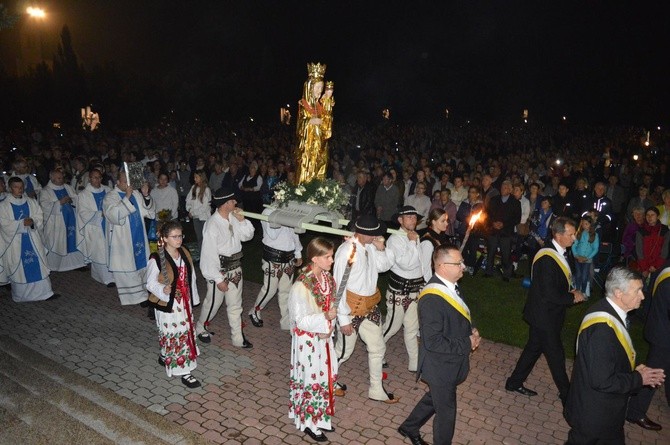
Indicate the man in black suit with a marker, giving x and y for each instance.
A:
(447, 339)
(657, 333)
(551, 293)
(604, 374)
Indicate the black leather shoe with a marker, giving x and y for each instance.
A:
(246, 344)
(110, 285)
(205, 338)
(318, 438)
(416, 440)
(161, 360)
(54, 297)
(255, 320)
(190, 381)
(646, 423)
(145, 303)
(521, 390)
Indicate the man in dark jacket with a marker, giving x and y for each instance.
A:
(604, 374)
(447, 339)
(657, 333)
(363, 197)
(551, 292)
(503, 213)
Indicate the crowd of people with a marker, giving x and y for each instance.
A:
(463, 198)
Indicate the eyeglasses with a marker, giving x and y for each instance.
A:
(460, 263)
(177, 236)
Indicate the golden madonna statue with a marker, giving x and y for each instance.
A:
(314, 126)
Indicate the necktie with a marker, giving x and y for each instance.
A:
(627, 323)
(458, 291)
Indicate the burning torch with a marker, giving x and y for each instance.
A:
(473, 220)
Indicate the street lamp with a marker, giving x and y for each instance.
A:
(37, 13)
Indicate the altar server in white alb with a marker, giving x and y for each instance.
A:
(58, 201)
(4, 281)
(125, 210)
(282, 253)
(405, 283)
(221, 265)
(24, 256)
(92, 227)
(21, 170)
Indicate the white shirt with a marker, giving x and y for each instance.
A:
(166, 198)
(422, 205)
(363, 274)
(620, 312)
(218, 239)
(525, 209)
(405, 255)
(199, 210)
(282, 238)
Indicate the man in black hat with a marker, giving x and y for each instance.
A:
(405, 283)
(358, 262)
(220, 264)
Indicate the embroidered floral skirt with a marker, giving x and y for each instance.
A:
(309, 402)
(173, 339)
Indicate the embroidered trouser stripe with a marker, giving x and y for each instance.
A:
(393, 305)
(268, 278)
(211, 308)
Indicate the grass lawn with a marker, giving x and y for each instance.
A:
(496, 306)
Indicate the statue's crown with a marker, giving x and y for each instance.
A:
(316, 70)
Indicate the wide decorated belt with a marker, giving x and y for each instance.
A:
(405, 285)
(228, 263)
(276, 255)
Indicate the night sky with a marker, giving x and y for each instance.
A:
(594, 61)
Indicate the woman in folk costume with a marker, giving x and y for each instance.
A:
(92, 228)
(23, 256)
(171, 282)
(314, 125)
(312, 311)
(438, 221)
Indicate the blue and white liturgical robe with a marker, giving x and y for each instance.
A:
(128, 247)
(92, 231)
(60, 228)
(24, 256)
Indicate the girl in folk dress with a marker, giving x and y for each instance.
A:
(312, 311)
(173, 295)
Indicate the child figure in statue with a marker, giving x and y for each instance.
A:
(314, 127)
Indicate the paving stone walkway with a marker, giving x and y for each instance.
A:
(244, 393)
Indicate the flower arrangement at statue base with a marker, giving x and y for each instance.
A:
(325, 193)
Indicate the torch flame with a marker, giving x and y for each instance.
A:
(474, 218)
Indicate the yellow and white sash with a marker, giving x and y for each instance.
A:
(619, 329)
(665, 273)
(449, 296)
(560, 260)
